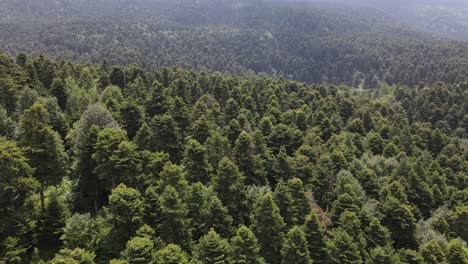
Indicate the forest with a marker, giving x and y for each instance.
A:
(118, 164)
(313, 43)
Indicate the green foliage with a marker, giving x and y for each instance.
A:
(200, 151)
(171, 254)
(212, 249)
(268, 226)
(75, 256)
(315, 237)
(244, 247)
(295, 249)
(138, 250)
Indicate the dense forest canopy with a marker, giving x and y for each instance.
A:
(301, 40)
(104, 164)
(439, 17)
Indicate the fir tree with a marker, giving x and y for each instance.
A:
(268, 226)
(212, 249)
(244, 248)
(295, 248)
(315, 237)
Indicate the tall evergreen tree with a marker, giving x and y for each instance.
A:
(268, 226)
(44, 148)
(212, 249)
(175, 224)
(229, 184)
(315, 237)
(196, 163)
(244, 248)
(295, 249)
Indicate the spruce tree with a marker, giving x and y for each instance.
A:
(343, 249)
(268, 226)
(229, 184)
(53, 223)
(44, 148)
(457, 252)
(219, 218)
(432, 253)
(301, 204)
(295, 248)
(171, 254)
(196, 163)
(212, 249)
(315, 237)
(175, 224)
(244, 248)
(139, 250)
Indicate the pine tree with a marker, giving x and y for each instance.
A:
(315, 237)
(283, 198)
(212, 249)
(244, 248)
(249, 164)
(268, 226)
(132, 116)
(295, 248)
(165, 136)
(399, 219)
(377, 235)
(152, 207)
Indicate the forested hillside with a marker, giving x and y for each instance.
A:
(118, 164)
(447, 18)
(306, 42)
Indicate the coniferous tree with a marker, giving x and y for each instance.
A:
(171, 254)
(315, 237)
(229, 184)
(212, 249)
(196, 163)
(432, 253)
(44, 148)
(268, 226)
(343, 249)
(124, 216)
(175, 224)
(295, 249)
(53, 222)
(244, 247)
(139, 250)
(457, 252)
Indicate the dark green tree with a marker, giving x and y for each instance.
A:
(295, 249)
(212, 249)
(244, 248)
(269, 227)
(196, 163)
(315, 237)
(229, 184)
(44, 148)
